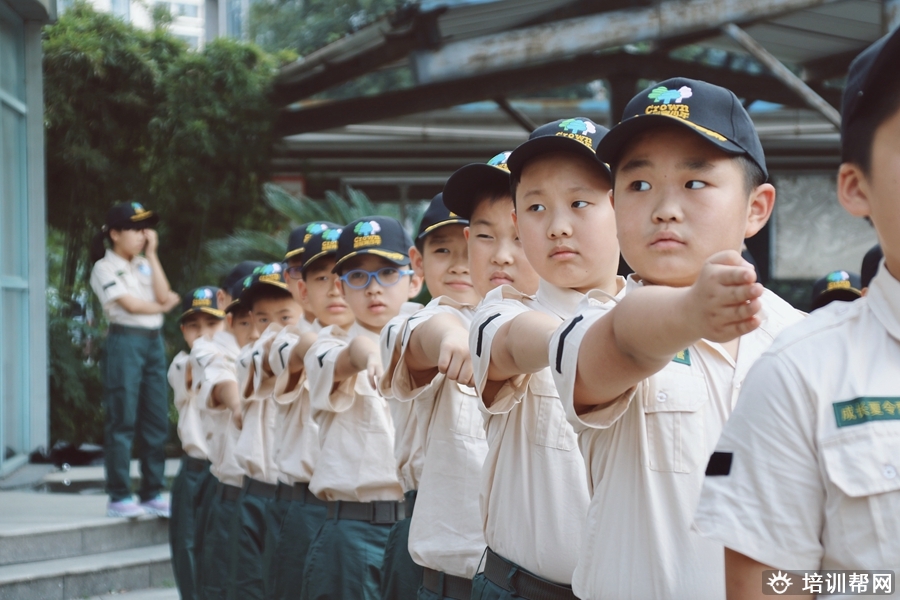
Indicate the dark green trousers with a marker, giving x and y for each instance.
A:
(136, 403)
(186, 492)
(214, 561)
(275, 512)
(301, 524)
(205, 500)
(248, 535)
(344, 561)
(400, 576)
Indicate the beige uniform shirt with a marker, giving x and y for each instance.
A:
(297, 433)
(214, 362)
(409, 437)
(113, 277)
(255, 450)
(190, 424)
(645, 456)
(446, 532)
(534, 495)
(813, 447)
(356, 436)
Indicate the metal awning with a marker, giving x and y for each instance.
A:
(463, 51)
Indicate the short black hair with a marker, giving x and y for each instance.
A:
(516, 178)
(875, 109)
(266, 292)
(753, 174)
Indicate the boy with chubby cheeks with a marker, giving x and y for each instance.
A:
(534, 496)
(356, 472)
(805, 472)
(649, 381)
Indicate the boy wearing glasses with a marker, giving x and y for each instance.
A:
(356, 473)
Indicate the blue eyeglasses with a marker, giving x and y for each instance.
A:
(360, 279)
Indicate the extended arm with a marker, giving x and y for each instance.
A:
(440, 344)
(226, 394)
(361, 354)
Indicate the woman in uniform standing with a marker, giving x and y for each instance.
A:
(135, 294)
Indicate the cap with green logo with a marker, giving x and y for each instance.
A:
(201, 300)
(578, 134)
(130, 215)
(319, 245)
(465, 187)
(437, 215)
(381, 236)
(300, 236)
(709, 111)
(271, 274)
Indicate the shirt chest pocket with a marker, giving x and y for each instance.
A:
(468, 421)
(546, 418)
(674, 408)
(865, 466)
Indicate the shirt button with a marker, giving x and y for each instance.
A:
(737, 385)
(662, 397)
(889, 471)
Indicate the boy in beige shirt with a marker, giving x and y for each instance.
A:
(200, 317)
(534, 493)
(356, 473)
(648, 381)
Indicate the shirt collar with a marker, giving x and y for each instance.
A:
(561, 301)
(884, 298)
(118, 261)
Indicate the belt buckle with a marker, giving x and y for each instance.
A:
(383, 512)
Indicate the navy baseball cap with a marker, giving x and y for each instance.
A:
(300, 235)
(438, 215)
(578, 134)
(710, 111)
(319, 245)
(201, 300)
(381, 236)
(868, 75)
(870, 264)
(271, 274)
(837, 285)
(130, 215)
(463, 188)
(237, 274)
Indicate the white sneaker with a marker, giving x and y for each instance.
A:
(158, 506)
(126, 508)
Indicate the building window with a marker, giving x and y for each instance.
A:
(14, 284)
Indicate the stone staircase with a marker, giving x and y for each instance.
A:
(63, 547)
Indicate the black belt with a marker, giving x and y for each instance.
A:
(228, 492)
(378, 512)
(513, 578)
(410, 499)
(283, 492)
(197, 465)
(255, 487)
(300, 493)
(447, 586)
(141, 331)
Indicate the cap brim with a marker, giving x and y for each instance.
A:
(395, 257)
(613, 143)
(308, 262)
(232, 306)
(293, 253)
(886, 60)
(462, 190)
(149, 218)
(840, 294)
(432, 228)
(549, 143)
(220, 314)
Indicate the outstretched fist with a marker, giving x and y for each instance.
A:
(725, 300)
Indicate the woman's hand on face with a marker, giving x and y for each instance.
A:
(152, 241)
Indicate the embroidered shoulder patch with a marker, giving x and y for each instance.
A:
(865, 409)
(683, 357)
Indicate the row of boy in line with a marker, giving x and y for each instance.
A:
(557, 430)
(846, 286)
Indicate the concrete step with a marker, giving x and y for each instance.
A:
(151, 594)
(90, 575)
(40, 527)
